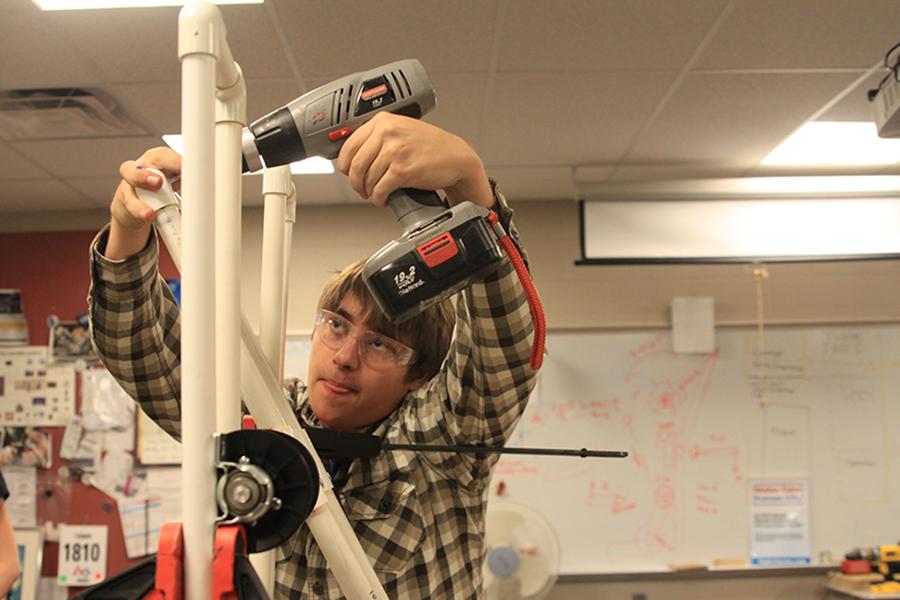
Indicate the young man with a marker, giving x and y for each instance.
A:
(419, 516)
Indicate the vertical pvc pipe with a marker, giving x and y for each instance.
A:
(205, 59)
(231, 116)
(276, 187)
(198, 363)
(290, 216)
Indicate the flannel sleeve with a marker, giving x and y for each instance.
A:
(486, 379)
(136, 330)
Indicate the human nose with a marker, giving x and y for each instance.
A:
(347, 356)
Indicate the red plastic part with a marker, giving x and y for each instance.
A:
(247, 422)
(169, 565)
(230, 541)
(855, 567)
(439, 250)
(339, 134)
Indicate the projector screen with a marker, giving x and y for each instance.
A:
(689, 231)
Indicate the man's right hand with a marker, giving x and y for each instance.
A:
(130, 218)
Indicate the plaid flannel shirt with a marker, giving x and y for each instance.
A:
(418, 516)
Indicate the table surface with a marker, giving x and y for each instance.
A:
(860, 594)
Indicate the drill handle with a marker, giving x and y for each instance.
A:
(412, 206)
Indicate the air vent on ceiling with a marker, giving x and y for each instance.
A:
(54, 113)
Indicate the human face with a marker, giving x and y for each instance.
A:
(345, 393)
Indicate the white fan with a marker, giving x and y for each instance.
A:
(522, 552)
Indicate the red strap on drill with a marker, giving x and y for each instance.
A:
(230, 541)
(534, 301)
(169, 584)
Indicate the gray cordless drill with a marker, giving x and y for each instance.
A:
(442, 249)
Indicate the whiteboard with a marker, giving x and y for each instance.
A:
(818, 403)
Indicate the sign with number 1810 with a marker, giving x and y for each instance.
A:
(82, 554)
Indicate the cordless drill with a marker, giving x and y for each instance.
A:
(443, 249)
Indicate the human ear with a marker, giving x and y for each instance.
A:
(414, 384)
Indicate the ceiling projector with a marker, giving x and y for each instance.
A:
(886, 106)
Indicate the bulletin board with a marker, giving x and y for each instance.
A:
(53, 280)
(821, 404)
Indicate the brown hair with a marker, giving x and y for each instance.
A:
(428, 333)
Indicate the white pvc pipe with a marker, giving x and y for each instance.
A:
(198, 363)
(201, 39)
(289, 218)
(231, 116)
(205, 61)
(328, 523)
(277, 187)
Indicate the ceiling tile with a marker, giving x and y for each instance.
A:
(733, 120)
(253, 42)
(603, 35)
(855, 106)
(14, 166)
(548, 183)
(26, 195)
(98, 190)
(36, 53)
(153, 106)
(343, 37)
(804, 34)
(459, 104)
(137, 44)
(23, 5)
(96, 157)
(554, 119)
(561, 91)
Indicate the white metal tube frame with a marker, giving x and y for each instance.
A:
(207, 63)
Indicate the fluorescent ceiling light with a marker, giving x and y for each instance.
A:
(835, 143)
(311, 166)
(86, 4)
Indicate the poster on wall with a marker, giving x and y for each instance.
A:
(13, 326)
(779, 522)
(30, 543)
(33, 393)
(26, 446)
(70, 341)
(22, 502)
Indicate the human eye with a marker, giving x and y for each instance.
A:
(383, 346)
(336, 324)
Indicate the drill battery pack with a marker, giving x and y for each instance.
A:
(433, 261)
